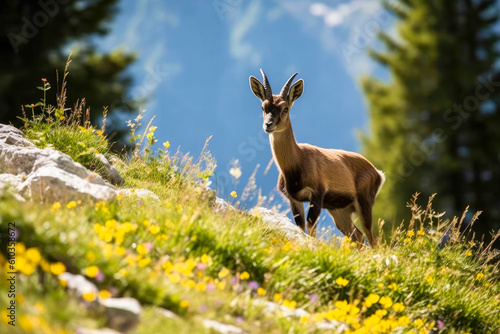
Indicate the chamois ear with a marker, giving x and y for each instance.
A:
(295, 91)
(257, 88)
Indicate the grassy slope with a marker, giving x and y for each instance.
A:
(180, 255)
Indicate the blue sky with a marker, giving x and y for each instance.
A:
(195, 57)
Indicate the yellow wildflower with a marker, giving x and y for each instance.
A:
(146, 223)
(153, 129)
(120, 251)
(71, 205)
(261, 291)
(410, 233)
(185, 304)
(63, 283)
(223, 273)
(244, 275)
(88, 296)
(174, 278)
(404, 321)
(168, 266)
(154, 229)
(142, 249)
(205, 258)
(111, 223)
(468, 253)
(144, 262)
(393, 286)
(92, 271)
(278, 297)
(287, 247)
(429, 279)
(421, 232)
(201, 286)
(341, 281)
(398, 307)
(419, 323)
(234, 194)
(57, 268)
(166, 144)
(407, 240)
(221, 285)
(479, 276)
(304, 318)
(371, 299)
(104, 294)
(24, 266)
(33, 255)
(291, 304)
(386, 301)
(25, 323)
(56, 206)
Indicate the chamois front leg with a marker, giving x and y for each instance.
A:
(314, 212)
(298, 213)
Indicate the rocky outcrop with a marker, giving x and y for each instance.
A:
(46, 174)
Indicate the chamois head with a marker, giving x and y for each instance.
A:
(275, 108)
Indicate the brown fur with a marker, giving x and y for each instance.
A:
(342, 182)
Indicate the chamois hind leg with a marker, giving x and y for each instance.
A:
(298, 214)
(364, 212)
(343, 221)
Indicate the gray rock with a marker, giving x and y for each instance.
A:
(222, 328)
(142, 193)
(123, 313)
(11, 181)
(290, 230)
(336, 326)
(109, 172)
(271, 307)
(46, 174)
(12, 136)
(78, 283)
(167, 313)
(221, 206)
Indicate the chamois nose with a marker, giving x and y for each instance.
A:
(269, 124)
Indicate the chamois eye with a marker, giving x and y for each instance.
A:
(285, 110)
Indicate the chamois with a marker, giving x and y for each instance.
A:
(340, 181)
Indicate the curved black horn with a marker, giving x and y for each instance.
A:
(267, 87)
(286, 87)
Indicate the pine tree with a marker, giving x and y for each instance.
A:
(35, 37)
(434, 126)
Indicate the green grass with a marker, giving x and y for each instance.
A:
(180, 255)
